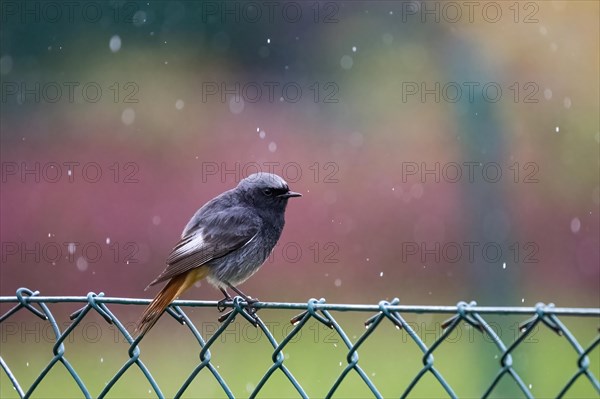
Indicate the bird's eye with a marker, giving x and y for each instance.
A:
(268, 192)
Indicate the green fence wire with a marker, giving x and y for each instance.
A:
(541, 314)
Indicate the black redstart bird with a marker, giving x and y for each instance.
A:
(226, 241)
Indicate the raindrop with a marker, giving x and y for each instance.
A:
(387, 38)
(567, 102)
(262, 134)
(107, 240)
(547, 94)
(71, 248)
(101, 360)
(268, 41)
(115, 43)
(139, 18)
(504, 265)
(522, 300)
(346, 62)
(557, 129)
(179, 104)
(128, 116)
(354, 49)
(156, 220)
(575, 225)
(381, 274)
(236, 105)
(272, 146)
(82, 264)
(337, 282)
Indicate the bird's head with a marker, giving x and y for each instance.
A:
(266, 191)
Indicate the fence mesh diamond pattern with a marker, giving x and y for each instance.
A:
(540, 316)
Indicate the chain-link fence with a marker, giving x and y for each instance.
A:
(541, 316)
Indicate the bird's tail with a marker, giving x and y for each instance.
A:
(174, 288)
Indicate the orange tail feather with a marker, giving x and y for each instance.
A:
(174, 288)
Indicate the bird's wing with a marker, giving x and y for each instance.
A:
(217, 235)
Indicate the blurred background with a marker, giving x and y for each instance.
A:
(446, 151)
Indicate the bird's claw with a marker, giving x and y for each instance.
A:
(248, 308)
(222, 304)
(251, 311)
(224, 317)
(251, 301)
(296, 319)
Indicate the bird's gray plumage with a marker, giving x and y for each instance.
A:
(234, 233)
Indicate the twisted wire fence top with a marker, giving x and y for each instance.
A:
(541, 316)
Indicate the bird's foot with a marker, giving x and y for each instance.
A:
(249, 309)
(253, 317)
(222, 304)
(296, 319)
(250, 302)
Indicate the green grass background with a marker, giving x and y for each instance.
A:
(316, 357)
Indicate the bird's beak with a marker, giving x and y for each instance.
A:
(289, 194)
